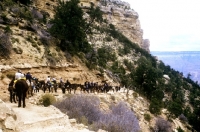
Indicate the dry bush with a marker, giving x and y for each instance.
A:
(5, 45)
(36, 14)
(79, 106)
(15, 9)
(120, 119)
(162, 125)
(183, 118)
(86, 110)
(51, 60)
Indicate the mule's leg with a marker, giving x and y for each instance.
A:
(23, 99)
(63, 90)
(52, 87)
(14, 96)
(20, 99)
(31, 91)
(55, 88)
(49, 87)
(44, 88)
(38, 90)
(11, 96)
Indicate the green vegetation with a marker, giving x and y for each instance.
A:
(147, 117)
(47, 99)
(69, 31)
(69, 26)
(25, 2)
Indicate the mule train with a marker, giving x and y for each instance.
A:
(87, 87)
(24, 88)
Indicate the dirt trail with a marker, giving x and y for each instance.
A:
(37, 118)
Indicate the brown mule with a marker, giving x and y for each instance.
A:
(21, 88)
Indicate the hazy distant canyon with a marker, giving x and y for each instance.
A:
(183, 61)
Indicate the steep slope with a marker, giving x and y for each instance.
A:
(35, 50)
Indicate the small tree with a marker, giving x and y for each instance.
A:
(68, 26)
(95, 15)
(155, 106)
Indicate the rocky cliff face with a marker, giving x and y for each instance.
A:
(125, 19)
(31, 56)
(117, 12)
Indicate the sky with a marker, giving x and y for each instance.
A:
(170, 25)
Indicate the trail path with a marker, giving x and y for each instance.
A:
(37, 118)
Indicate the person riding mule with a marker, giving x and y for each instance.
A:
(62, 85)
(18, 75)
(37, 84)
(21, 88)
(68, 86)
(47, 84)
(29, 77)
(54, 84)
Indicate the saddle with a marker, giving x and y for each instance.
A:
(16, 81)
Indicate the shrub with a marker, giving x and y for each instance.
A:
(7, 29)
(155, 106)
(135, 95)
(108, 38)
(179, 129)
(10, 75)
(86, 110)
(5, 45)
(36, 14)
(51, 60)
(162, 125)
(18, 50)
(147, 117)
(79, 106)
(26, 14)
(120, 119)
(47, 99)
(112, 98)
(7, 2)
(183, 118)
(2, 77)
(30, 39)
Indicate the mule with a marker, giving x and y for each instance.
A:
(62, 86)
(12, 91)
(21, 87)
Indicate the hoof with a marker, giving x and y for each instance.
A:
(24, 106)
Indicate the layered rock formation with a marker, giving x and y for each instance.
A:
(117, 12)
(123, 18)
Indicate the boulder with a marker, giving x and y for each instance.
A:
(7, 117)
